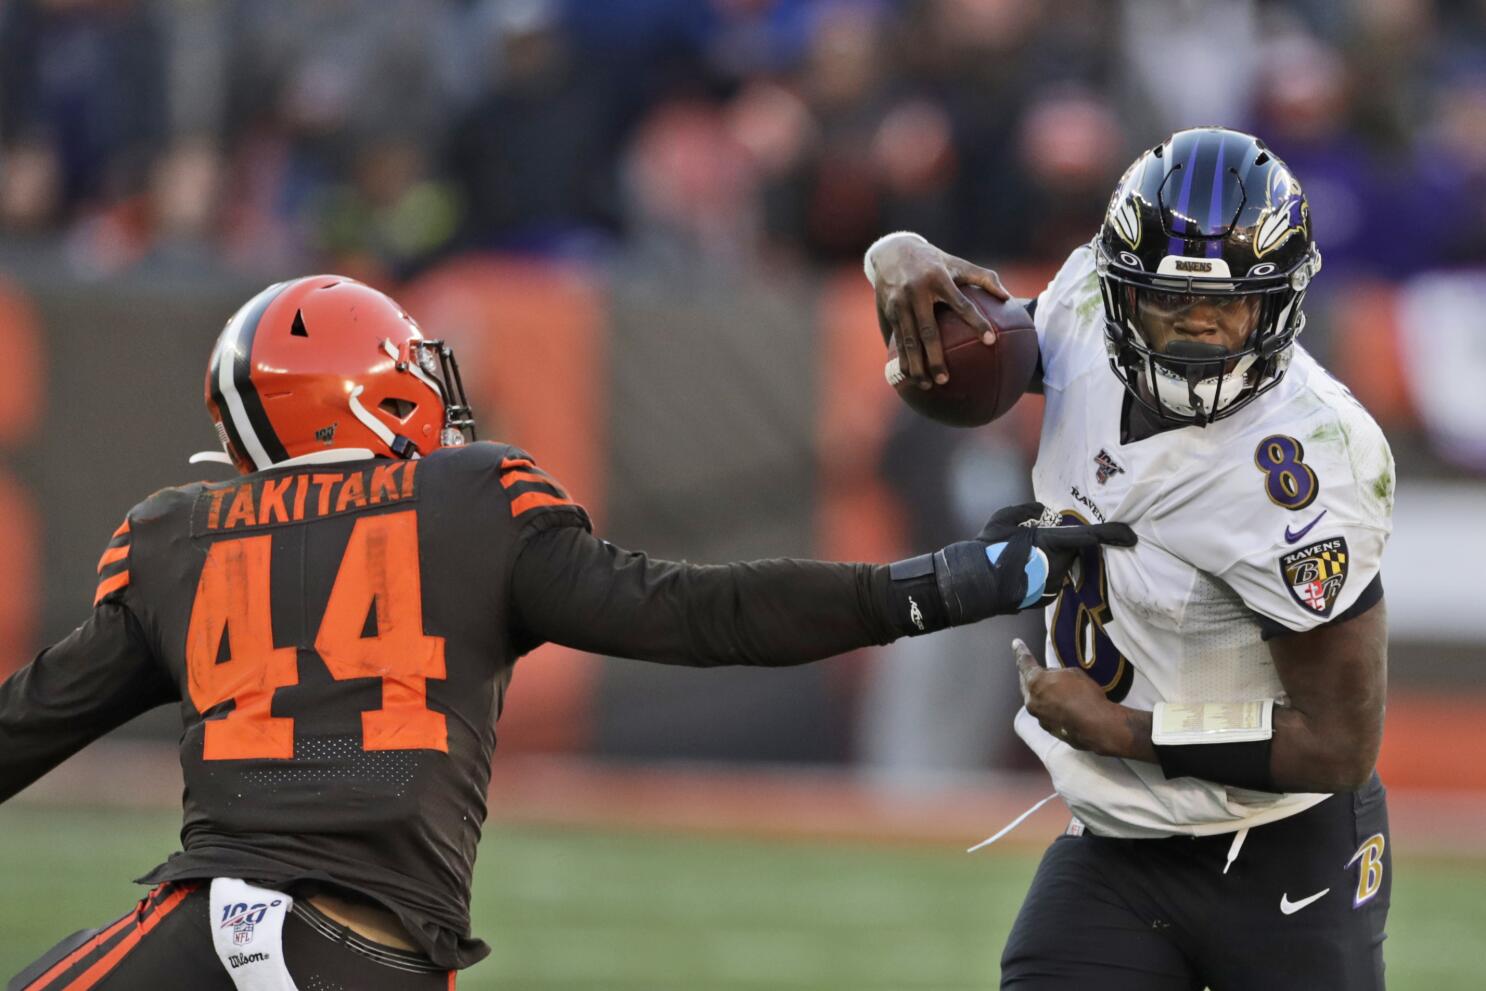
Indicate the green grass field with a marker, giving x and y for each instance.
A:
(582, 911)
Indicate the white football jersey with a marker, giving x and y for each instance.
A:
(1276, 514)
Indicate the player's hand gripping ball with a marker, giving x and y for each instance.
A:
(985, 380)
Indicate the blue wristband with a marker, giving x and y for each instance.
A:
(1036, 569)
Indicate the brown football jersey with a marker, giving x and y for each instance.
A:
(339, 688)
(339, 637)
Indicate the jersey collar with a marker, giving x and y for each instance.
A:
(333, 455)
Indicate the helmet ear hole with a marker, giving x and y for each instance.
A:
(398, 408)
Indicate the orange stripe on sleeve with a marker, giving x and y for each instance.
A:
(510, 478)
(108, 585)
(100, 970)
(111, 555)
(533, 500)
(123, 529)
(508, 463)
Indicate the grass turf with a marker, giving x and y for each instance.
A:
(569, 910)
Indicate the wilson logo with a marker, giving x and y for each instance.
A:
(243, 959)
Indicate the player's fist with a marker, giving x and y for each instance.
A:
(1066, 702)
(1017, 562)
(1031, 527)
(910, 276)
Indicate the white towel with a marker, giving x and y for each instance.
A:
(248, 933)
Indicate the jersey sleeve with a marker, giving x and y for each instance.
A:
(572, 588)
(1300, 536)
(102, 675)
(1067, 312)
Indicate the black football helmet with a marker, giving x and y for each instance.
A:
(1210, 215)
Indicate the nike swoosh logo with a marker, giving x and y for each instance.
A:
(1290, 538)
(1290, 908)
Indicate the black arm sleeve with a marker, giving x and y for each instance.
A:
(101, 676)
(572, 588)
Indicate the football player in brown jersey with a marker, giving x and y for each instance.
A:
(338, 625)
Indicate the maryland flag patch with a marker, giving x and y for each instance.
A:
(1315, 574)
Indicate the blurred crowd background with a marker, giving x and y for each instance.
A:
(379, 137)
(178, 149)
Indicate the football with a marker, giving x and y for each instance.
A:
(984, 380)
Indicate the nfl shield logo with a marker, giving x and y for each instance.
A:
(241, 918)
(1106, 466)
(1315, 574)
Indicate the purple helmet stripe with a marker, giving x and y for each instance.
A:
(1175, 247)
(1215, 220)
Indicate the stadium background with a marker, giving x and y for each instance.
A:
(640, 222)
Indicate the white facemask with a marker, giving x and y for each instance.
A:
(1173, 394)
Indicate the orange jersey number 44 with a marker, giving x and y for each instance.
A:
(378, 572)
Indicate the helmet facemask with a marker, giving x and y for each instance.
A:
(1191, 381)
(434, 361)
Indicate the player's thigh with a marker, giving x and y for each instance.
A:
(1077, 930)
(1340, 847)
(164, 942)
(323, 955)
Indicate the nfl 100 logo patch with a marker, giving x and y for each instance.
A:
(242, 918)
(1106, 466)
(1315, 574)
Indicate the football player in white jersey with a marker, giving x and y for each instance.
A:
(1213, 702)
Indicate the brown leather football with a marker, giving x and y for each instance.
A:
(984, 380)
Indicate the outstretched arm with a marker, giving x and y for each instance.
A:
(100, 676)
(575, 589)
(572, 588)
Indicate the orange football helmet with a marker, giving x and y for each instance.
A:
(328, 363)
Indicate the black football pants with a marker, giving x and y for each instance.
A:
(1302, 908)
(166, 942)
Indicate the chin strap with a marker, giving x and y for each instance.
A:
(398, 444)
